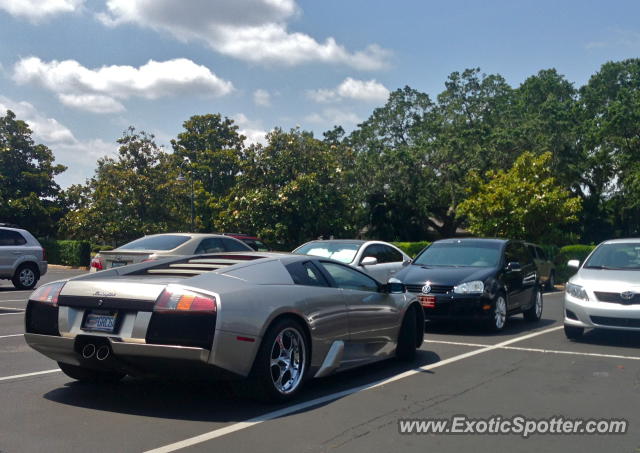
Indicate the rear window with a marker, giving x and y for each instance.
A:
(164, 242)
(10, 237)
(344, 252)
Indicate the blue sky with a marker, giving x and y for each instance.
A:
(81, 71)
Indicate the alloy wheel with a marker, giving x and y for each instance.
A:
(287, 360)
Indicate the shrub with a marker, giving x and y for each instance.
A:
(570, 252)
(411, 248)
(68, 253)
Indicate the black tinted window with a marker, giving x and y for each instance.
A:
(516, 251)
(348, 278)
(393, 256)
(10, 237)
(164, 242)
(532, 250)
(306, 274)
(235, 246)
(541, 253)
(210, 245)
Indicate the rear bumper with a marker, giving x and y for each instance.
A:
(132, 358)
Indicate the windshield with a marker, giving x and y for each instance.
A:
(164, 242)
(620, 256)
(460, 254)
(344, 252)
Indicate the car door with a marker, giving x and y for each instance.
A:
(380, 270)
(513, 276)
(11, 249)
(373, 316)
(394, 259)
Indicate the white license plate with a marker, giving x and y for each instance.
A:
(118, 263)
(103, 321)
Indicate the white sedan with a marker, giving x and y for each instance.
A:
(605, 292)
(379, 259)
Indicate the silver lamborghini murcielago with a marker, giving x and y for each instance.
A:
(276, 319)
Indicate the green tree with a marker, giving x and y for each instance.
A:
(210, 150)
(128, 197)
(525, 202)
(28, 192)
(289, 191)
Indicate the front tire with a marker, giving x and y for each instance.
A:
(572, 332)
(534, 313)
(89, 375)
(26, 277)
(282, 362)
(407, 338)
(498, 317)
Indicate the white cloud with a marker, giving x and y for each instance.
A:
(262, 97)
(331, 117)
(98, 90)
(253, 130)
(360, 90)
(79, 156)
(38, 10)
(249, 30)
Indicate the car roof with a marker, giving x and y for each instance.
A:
(622, 241)
(192, 235)
(352, 241)
(458, 240)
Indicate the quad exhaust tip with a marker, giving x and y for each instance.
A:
(88, 351)
(103, 353)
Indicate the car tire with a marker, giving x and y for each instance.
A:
(406, 348)
(573, 332)
(26, 276)
(551, 282)
(534, 313)
(498, 318)
(283, 353)
(90, 375)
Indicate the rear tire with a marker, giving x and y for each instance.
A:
(551, 282)
(281, 363)
(572, 332)
(534, 313)
(83, 374)
(26, 276)
(407, 337)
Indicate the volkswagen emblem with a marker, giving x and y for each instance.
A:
(627, 295)
(100, 302)
(426, 289)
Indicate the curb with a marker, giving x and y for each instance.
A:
(60, 266)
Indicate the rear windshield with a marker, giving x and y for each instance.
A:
(621, 256)
(464, 254)
(164, 242)
(344, 252)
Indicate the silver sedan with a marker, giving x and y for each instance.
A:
(275, 319)
(605, 292)
(379, 259)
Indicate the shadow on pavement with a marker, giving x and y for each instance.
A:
(516, 325)
(215, 401)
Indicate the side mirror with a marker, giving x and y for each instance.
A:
(514, 266)
(407, 262)
(368, 261)
(573, 263)
(394, 286)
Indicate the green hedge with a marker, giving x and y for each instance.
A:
(411, 248)
(95, 248)
(68, 253)
(570, 252)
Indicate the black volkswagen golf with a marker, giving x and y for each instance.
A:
(475, 279)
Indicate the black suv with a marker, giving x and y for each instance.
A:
(475, 279)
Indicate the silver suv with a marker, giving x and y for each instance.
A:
(22, 258)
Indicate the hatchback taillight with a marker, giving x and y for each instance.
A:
(48, 293)
(183, 300)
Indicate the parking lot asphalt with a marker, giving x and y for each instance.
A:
(530, 370)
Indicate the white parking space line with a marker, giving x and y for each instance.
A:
(315, 402)
(14, 300)
(11, 308)
(37, 373)
(11, 336)
(9, 314)
(544, 351)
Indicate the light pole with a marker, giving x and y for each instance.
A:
(181, 178)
